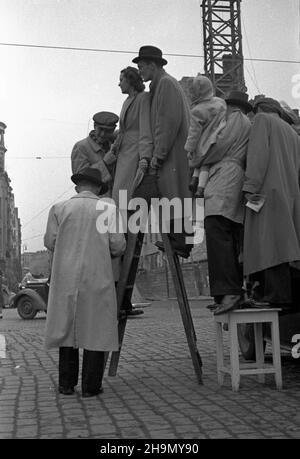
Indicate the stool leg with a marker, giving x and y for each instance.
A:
(276, 352)
(234, 356)
(259, 349)
(220, 354)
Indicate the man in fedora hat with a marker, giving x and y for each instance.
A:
(93, 150)
(272, 234)
(82, 306)
(169, 117)
(224, 205)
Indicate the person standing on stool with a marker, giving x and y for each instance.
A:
(224, 205)
(272, 234)
(82, 305)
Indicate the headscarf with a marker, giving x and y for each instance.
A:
(268, 103)
(202, 89)
(288, 114)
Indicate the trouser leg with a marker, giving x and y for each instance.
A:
(92, 370)
(68, 367)
(277, 284)
(223, 247)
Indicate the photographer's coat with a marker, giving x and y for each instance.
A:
(82, 306)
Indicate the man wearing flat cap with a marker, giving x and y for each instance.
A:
(93, 150)
(82, 305)
(272, 232)
(169, 125)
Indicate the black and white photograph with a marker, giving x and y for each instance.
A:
(149, 223)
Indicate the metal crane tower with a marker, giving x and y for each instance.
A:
(222, 37)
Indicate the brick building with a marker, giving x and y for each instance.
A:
(10, 227)
(37, 262)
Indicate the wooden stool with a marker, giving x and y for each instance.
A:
(248, 316)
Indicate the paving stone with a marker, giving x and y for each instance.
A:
(154, 395)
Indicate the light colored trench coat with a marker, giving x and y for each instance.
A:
(82, 307)
(134, 142)
(170, 115)
(272, 236)
(223, 193)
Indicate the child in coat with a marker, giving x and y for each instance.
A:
(208, 119)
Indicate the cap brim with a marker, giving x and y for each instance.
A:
(105, 127)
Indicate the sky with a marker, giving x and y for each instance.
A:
(48, 96)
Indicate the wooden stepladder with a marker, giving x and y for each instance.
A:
(125, 287)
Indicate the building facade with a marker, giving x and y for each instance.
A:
(10, 226)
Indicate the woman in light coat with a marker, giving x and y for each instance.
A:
(134, 144)
(132, 149)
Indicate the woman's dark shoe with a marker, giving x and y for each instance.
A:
(66, 390)
(87, 394)
(213, 307)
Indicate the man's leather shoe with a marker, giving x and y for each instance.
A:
(229, 303)
(66, 390)
(134, 312)
(87, 394)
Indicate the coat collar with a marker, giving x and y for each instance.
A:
(97, 146)
(85, 194)
(127, 103)
(161, 73)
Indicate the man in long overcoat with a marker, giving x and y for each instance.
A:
(272, 235)
(82, 306)
(169, 116)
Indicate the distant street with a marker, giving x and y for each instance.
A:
(155, 393)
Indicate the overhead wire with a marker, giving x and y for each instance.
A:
(46, 208)
(119, 51)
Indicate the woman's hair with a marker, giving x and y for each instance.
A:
(134, 79)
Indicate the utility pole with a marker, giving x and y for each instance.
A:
(222, 42)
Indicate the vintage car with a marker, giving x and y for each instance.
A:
(31, 298)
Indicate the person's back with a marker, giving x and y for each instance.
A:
(81, 263)
(273, 165)
(286, 163)
(82, 308)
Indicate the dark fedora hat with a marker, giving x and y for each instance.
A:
(89, 174)
(240, 99)
(150, 53)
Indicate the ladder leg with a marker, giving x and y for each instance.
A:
(125, 284)
(183, 306)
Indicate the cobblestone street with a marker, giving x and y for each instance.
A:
(155, 394)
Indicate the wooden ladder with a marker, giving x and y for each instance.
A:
(125, 287)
